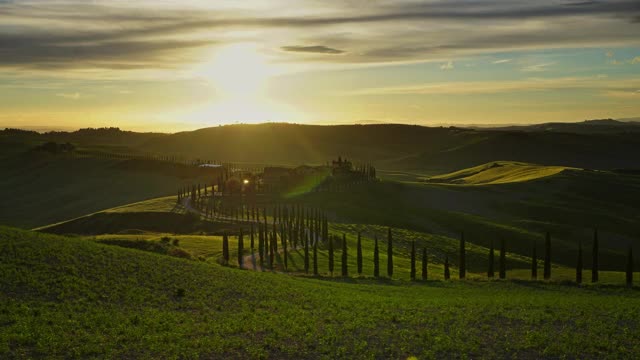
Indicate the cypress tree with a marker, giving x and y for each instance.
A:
(547, 257)
(261, 247)
(579, 264)
(463, 263)
(345, 270)
(503, 260)
(271, 250)
(306, 255)
(424, 264)
(225, 249)
(413, 260)
(240, 249)
(595, 265)
(490, 271)
(534, 262)
(284, 253)
(359, 255)
(389, 253)
(315, 257)
(447, 274)
(630, 267)
(376, 258)
(252, 244)
(331, 256)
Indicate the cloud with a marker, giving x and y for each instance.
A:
(536, 67)
(447, 66)
(70, 96)
(609, 54)
(502, 61)
(494, 87)
(74, 34)
(635, 60)
(316, 49)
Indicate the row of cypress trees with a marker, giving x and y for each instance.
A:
(268, 239)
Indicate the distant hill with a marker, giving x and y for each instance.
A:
(406, 147)
(599, 126)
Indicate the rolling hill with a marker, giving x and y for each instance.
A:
(498, 172)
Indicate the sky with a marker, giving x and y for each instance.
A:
(179, 65)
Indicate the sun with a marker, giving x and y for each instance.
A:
(239, 74)
(238, 71)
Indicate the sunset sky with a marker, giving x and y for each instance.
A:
(178, 65)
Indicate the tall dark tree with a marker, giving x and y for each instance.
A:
(359, 255)
(252, 243)
(315, 256)
(463, 261)
(503, 260)
(306, 255)
(345, 270)
(534, 261)
(284, 253)
(413, 260)
(424, 264)
(547, 256)
(629, 271)
(240, 250)
(595, 263)
(272, 245)
(490, 270)
(389, 253)
(376, 258)
(447, 273)
(579, 264)
(225, 249)
(261, 246)
(331, 255)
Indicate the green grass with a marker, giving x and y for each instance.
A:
(73, 298)
(499, 172)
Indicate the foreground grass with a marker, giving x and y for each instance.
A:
(74, 298)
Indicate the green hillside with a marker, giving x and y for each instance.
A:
(498, 172)
(74, 298)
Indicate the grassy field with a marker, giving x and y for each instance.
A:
(73, 298)
(499, 172)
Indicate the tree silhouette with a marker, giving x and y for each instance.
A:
(490, 271)
(503, 260)
(345, 270)
(306, 255)
(547, 256)
(630, 267)
(534, 262)
(447, 274)
(579, 264)
(376, 258)
(240, 249)
(389, 253)
(413, 260)
(463, 263)
(359, 255)
(315, 256)
(595, 263)
(424, 264)
(331, 256)
(225, 249)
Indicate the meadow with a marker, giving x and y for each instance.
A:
(73, 298)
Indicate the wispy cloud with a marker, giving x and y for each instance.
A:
(74, 34)
(537, 67)
(70, 96)
(502, 61)
(317, 49)
(447, 66)
(494, 87)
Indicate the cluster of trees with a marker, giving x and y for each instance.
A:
(55, 148)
